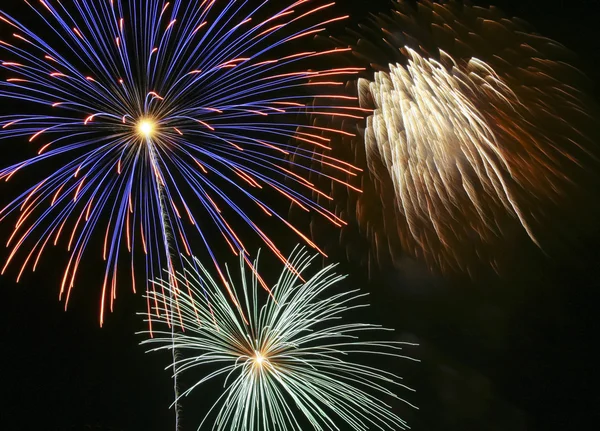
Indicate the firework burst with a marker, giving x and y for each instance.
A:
(281, 356)
(481, 132)
(155, 121)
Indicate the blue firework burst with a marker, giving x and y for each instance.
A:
(159, 120)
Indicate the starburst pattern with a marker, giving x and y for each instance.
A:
(153, 121)
(283, 357)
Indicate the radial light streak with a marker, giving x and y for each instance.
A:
(194, 100)
(285, 358)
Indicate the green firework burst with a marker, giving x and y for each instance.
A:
(286, 357)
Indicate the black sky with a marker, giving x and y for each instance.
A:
(503, 354)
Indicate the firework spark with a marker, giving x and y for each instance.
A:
(481, 131)
(282, 356)
(157, 120)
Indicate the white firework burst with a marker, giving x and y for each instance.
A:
(285, 358)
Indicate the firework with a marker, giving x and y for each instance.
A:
(284, 356)
(481, 132)
(151, 121)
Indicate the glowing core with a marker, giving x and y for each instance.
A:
(259, 359)
(146, 128)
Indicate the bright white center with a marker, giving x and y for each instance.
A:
(146, 128)
(259, 359)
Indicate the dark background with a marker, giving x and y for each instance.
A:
(515, 353)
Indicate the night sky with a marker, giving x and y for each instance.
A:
(501, 353)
